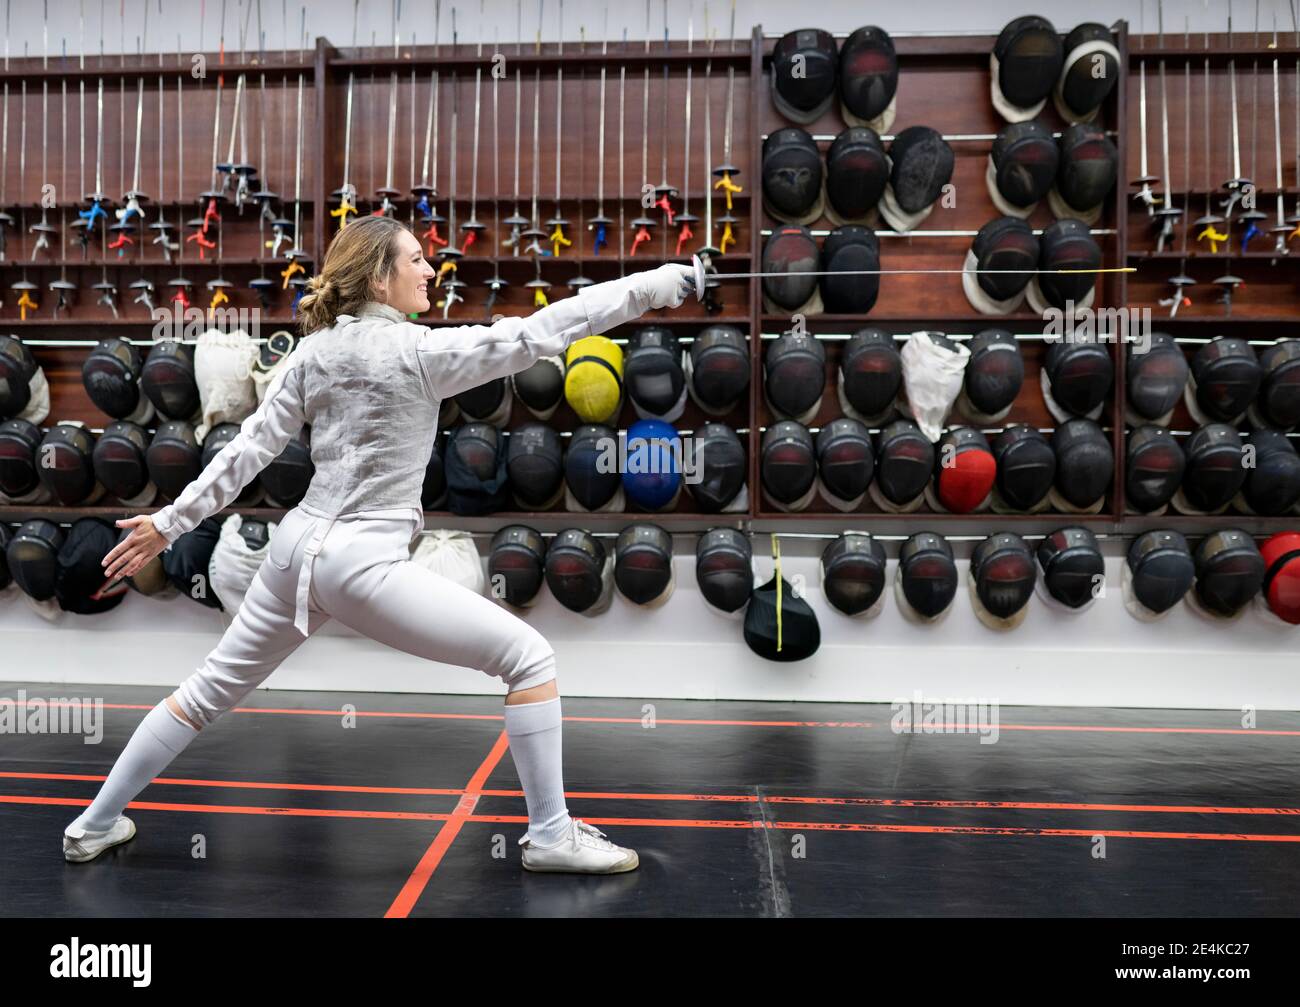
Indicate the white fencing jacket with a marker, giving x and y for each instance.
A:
(370, 387)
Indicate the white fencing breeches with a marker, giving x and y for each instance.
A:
(363, 577)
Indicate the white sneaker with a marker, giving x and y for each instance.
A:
(585, 850)
(81, 844)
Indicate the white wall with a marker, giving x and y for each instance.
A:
(334, 19)
(686, 649)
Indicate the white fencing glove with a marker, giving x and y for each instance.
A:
(667, 286)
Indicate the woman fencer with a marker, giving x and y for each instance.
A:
(369, 383)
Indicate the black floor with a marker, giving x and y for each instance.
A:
(736, 809)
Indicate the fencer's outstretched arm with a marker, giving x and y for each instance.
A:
(261, 438)
(457, 359)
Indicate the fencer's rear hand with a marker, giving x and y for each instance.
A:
(669, 285)
(129, 556)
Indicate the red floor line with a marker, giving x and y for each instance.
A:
(251, 784)
(237, 809)
(415, 884)
(963, 830)
(686, 722)
(419, 878)
(866, 802)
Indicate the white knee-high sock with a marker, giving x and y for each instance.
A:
(159, 739)
(535, 733)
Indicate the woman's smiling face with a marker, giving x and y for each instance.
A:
(407, 288)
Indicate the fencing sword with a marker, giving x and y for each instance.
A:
(264, 196)
(143, 286)
(180, 284)
(25, 288)
(558, 223)
(643, 223)
(685, 218)
(281, 226)
(1235, 184)
(450, 254)
(1294, 219)
(1145, 179)
(261, 284)
(537, 285)
(295, 272)
(516, 221)
(386, 192)
(415, 86)
(579, 281)
(64, 290)
(1207, 221)
(472, 227)
(700, 278)
(1252, 216)
(727, 171)
(123, 229)
(1182, 281)
(134, 197)
(708, 251)
(371, 113)
(496, 284)
(346, 193)
(422, 190)
(427, 190)
(1281, 228)
(600, 223)
(162, 226)
(215, 192)
(622, 109)
(6, 221)
(534, 231)
(242, 170)
(121, 107)
(1168, 214)
(43, 228)
(80, 225)
(238, 172)
(410, 205)
(1229, 282)
(665, 190)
